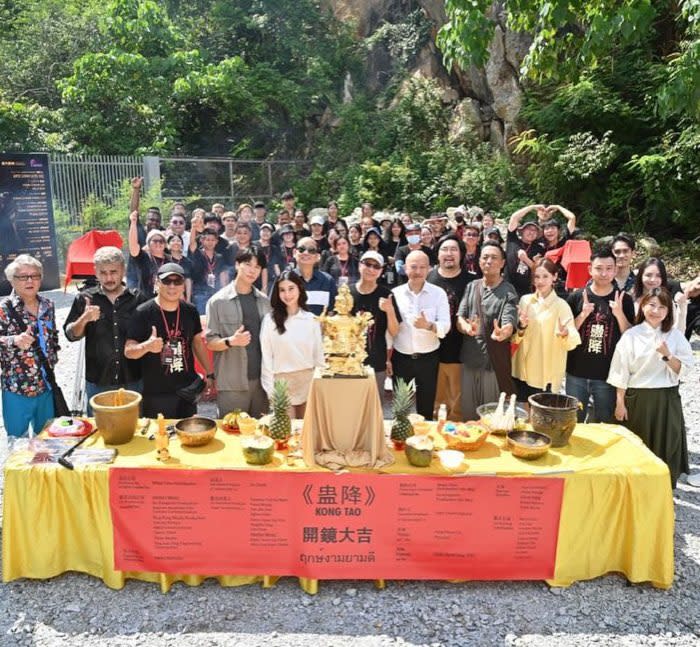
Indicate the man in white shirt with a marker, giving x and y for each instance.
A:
(425, 320)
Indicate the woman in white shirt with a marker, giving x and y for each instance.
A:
(652, 274)
(290, 341)
(645, 371)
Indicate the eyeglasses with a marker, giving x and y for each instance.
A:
(177, 222)
(371, 265)
(304, 248)
(24, 278)
(175, 280)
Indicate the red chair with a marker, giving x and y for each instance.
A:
(79, 258)
(575, 258)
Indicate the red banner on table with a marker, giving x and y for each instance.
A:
(325, 526)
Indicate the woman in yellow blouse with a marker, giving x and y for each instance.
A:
(544, 335)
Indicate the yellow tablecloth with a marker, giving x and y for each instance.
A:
(617, 511)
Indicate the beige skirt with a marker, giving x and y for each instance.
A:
(299, 384)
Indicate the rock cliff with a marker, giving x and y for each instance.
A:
(400, 34)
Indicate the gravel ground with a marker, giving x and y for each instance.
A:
(75, 609)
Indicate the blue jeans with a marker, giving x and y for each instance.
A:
(93, 389)
(603, 397)
(19, 411)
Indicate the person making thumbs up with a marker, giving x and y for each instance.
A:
(234, 317)
(164, 334)
(424, 313)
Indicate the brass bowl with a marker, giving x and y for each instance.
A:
(195, 431)
(529, 445)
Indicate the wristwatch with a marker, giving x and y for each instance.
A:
(227, 341)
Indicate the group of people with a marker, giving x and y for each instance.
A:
(457, 309)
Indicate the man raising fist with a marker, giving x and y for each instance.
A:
(164, 334)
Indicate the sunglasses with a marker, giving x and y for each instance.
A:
(174, 280)
(471, 235)
(371, 265)
(304, 248)
(158, 241)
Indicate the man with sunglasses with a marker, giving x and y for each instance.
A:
(178, 225)
(165, 334)
(369, 296)
(320, 287)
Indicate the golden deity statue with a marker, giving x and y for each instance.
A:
(344, 337)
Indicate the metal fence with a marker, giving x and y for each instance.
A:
(202, 180)
(75, 178)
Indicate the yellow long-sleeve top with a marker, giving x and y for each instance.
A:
(541, 356)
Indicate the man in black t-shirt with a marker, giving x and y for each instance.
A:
(165, 334)
(601, 314)
(453, 279)
(369, 296)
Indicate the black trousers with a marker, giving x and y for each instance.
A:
(169, 404)
(423, 367)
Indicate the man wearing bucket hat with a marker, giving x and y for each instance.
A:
(100, 314)
(523, 247)
(165, 334)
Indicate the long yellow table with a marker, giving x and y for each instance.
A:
(617, 510)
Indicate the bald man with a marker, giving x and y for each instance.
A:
(425, 320)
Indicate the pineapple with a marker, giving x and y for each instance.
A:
(401, 427)
(280, 423)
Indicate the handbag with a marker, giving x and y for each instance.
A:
(60, 406)
(192, 391)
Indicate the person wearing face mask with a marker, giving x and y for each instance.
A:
(413, 240)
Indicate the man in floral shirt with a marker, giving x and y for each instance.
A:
(27, 328)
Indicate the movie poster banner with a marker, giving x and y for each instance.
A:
(26, 215)
(326, 526)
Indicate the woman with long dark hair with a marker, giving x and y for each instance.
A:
(652, 274)
(645, 370)
(290, 341)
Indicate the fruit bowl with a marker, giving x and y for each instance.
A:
(466, 437)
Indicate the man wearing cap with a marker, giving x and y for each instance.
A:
(369, 296)
(523, 248)
(316, 224)
(100, 314)
(165, 335)
(287, 245)
(234, 315)
(230, 220)
(320, 287)
(148, 259)
(414, 244)
(425, 320)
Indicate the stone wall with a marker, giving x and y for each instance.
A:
(486, 101)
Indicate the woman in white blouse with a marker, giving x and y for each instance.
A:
(645, 371)
(290, 341)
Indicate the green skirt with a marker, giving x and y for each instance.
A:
(656, 416)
